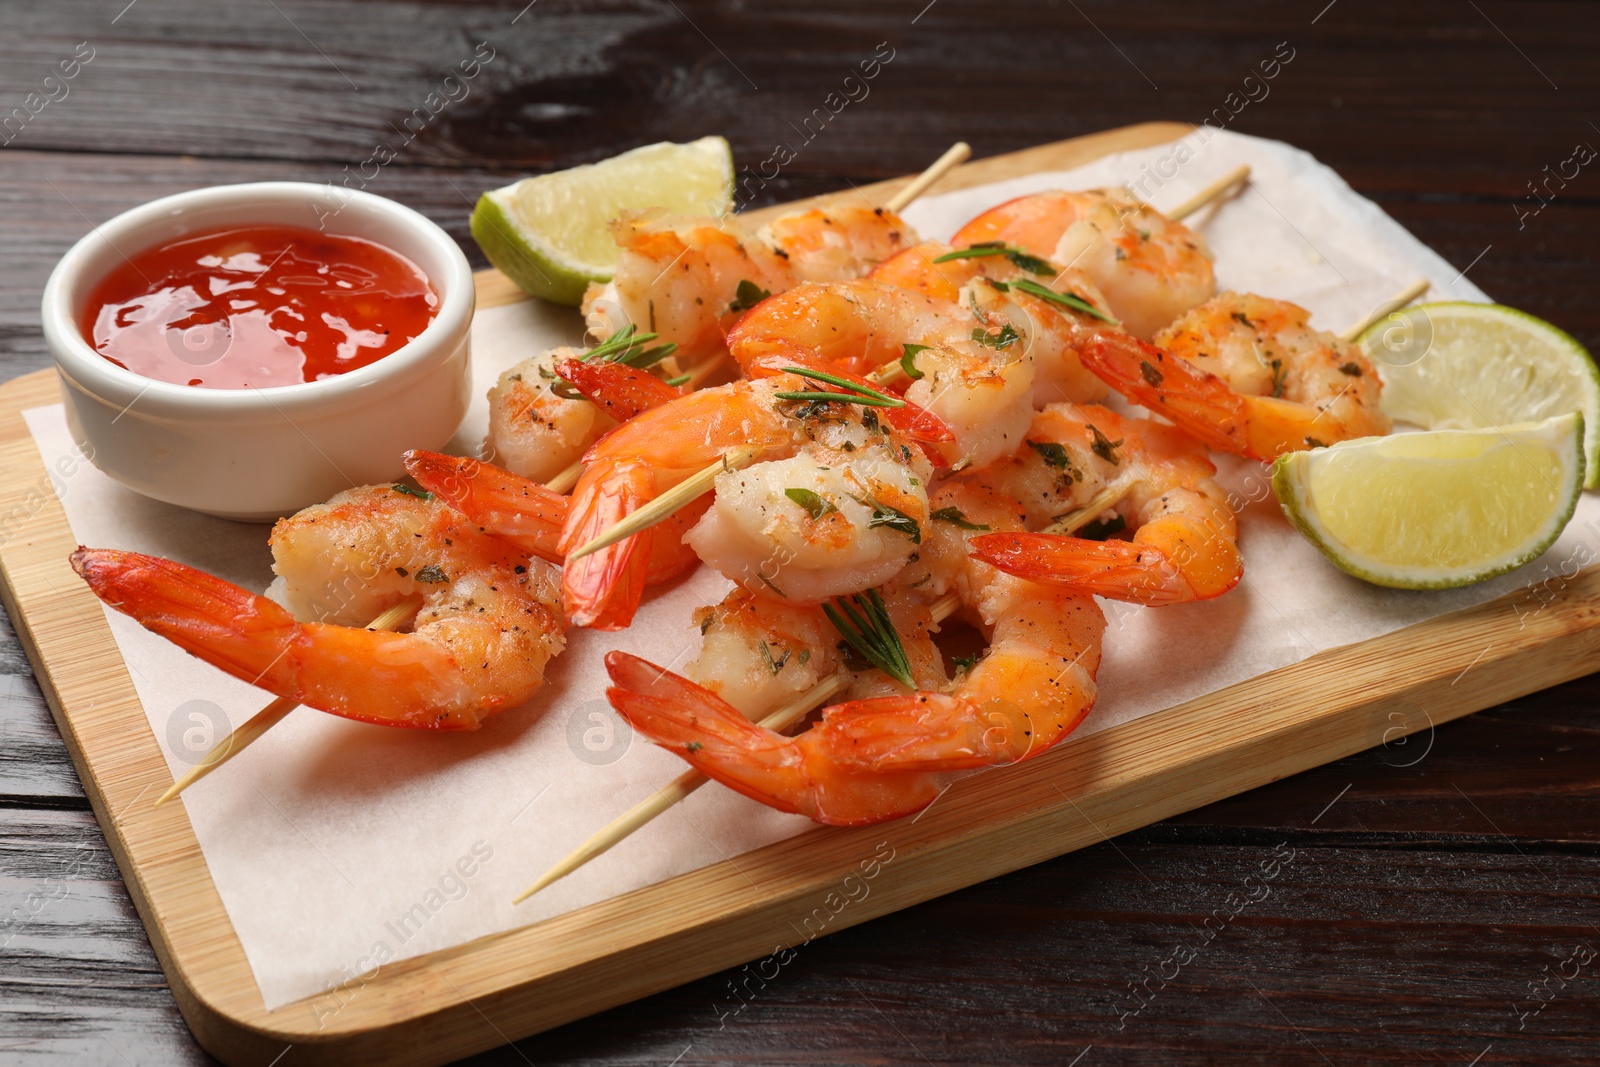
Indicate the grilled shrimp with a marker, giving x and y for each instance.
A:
(1150, 268)
(759, 653)
(1153, 481)
(883, 757)
(853, 456)
(974, 377)
(689, 278)
(1048, 308)
(533, 430)
(1248, 375)
(488, 624)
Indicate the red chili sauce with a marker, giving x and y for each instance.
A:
(257, 306)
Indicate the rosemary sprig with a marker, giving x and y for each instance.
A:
(864, 623)
(884, 400)
(1024, 259)
(955, 518)
(1068, 300)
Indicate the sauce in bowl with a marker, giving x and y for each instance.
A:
(254, 306)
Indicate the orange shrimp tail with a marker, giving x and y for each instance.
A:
(705, 730)
(1117, 570)
(258, 642)
(667, 555)
(228, 627)
(603, 589)
(1200, 403)
(619, 390)
(789, 774)
(507, 505)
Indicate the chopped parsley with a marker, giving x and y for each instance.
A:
(747, 295)
(814, 504)
(420, 494)
(1104, 447)
(907, 363)
(1150, 373)
(997, 341)
(432, 573)
(954, 517)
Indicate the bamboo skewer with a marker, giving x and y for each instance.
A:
(1388, 307)
(664, 505)
(1237, 176)
(624, 825)
(268, 717)
(954, 156)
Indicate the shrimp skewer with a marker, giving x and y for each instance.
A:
(1185, 539)
(689, 278)
(976, 379)
(487, 625)
(1151, 268)
(887, 756)
(837, 478)
(1248, 375)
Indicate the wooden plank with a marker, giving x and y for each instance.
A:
(571, 81)
(530, 979)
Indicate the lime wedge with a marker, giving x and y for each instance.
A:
(1458, 366)
(549, 233)
(1439, 509)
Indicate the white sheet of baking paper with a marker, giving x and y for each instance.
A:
(337, 845)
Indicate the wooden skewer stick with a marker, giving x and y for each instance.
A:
(1077, 519)
(954, 156)
(268, 717)
(1236, 176)
(620, 828)
(1388, 307)
(664, 505)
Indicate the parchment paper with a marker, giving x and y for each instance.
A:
(337, 846)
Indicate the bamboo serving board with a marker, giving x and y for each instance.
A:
(476, 996)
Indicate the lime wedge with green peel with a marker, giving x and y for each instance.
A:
(550, 234)
(1438, 509)
(1459, 366)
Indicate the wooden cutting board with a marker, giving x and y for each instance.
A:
(482, 994)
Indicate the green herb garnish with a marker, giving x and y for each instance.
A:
(856, 393)
(773, 665)
(747, 295)
(1068, 300)
(1150, 373)
(954, 517)
(1277, 377)
(693, 746)
(1100, 529)
(1020, 256)
(1055, 455)
(814, 504)
(864, 623)
(964, 663)
(907, 364)
(894, 518)
(1104, 447)
(997, 341)
(420, 494)
(768, 582)
(432, 573)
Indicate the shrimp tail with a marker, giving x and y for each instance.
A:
(790, 774)
(1137, 572)
(222, 624)
(706, 731)
(511, 507)
(1200, 403)
(603, 589)
(619, 390)
(257, 641)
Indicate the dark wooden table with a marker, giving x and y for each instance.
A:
(1441, 904)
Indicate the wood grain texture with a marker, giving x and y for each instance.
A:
(1425, 107)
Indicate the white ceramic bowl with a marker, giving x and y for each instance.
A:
(256, 454)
